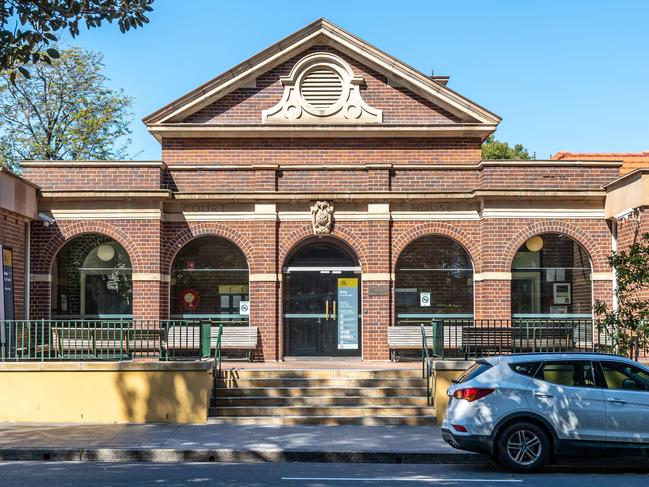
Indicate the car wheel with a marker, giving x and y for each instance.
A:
(523, 447)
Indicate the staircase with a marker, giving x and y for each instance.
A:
(321, 397)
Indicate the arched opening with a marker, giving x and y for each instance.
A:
(433, 280)
(92, 279)
(209, 279)
(322, 292)
(551, 278)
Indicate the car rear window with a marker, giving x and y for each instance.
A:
(525, 368)
(474, 371)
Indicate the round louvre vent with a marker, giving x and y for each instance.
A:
(321, 87)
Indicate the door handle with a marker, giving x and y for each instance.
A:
(327, 309)
(334, 313)
(615, 400)
(543, 395)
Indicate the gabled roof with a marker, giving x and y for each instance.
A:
(322, 32)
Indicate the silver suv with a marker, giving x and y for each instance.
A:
(524, 409)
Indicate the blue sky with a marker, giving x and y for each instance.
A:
(563, 75)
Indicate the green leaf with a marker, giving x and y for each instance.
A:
(53, 53)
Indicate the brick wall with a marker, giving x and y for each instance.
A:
(12, 236)
(140, 239)
(546, 177)
(321, 151)
(399, 105)
(83, 176)
(491, 244)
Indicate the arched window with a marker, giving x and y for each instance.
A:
(209, 279)
(91, 278)
(434, 279)
(551, 278)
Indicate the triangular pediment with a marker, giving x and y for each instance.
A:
(322, 63)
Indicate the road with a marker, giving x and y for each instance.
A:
(72, 474)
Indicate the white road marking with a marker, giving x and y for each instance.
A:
(399, 479)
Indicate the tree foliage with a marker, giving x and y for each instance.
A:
(494, 149)
(627, 325)
(30, 28)
(64, 111)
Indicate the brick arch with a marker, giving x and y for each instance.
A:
(438, 228)
(206, 229)
(340, 232)
(68, 232)
(597, 259)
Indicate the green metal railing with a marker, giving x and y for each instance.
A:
(116, 340)
(426, 364)
(473, 338)
(217, 353)
(469, 338)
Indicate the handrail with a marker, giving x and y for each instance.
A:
(426, 363)
(217, 353)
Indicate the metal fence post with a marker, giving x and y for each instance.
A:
(206, 328)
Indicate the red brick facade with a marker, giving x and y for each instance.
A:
(12, 236)
(387, 190)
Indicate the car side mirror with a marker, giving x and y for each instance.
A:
(630, 385)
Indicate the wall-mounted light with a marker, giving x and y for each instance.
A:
(534, 244)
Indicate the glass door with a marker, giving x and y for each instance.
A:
(321, 313)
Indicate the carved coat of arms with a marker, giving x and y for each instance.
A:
(323, 217)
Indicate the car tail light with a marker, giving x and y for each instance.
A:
(472, 393)
(460, 428)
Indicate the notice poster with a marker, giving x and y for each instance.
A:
(348, 313)
(8, 284)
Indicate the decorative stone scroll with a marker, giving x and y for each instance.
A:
(322, 89)
(323, 217)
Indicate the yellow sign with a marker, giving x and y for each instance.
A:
(348, 282)
(231, 289)
(6, 258)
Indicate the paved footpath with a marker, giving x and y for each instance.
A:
(228, 443)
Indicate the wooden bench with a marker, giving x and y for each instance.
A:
(185, 338)
(408, 337)
(101, 342)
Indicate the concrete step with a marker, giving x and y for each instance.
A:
(413, 373)
(257, 401)
(298, 392)
(321, 411)
(345, 382)
(326, 420)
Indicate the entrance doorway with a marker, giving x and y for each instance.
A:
(322, 285)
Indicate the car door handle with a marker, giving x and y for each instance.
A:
(544, 395)
(615, 400)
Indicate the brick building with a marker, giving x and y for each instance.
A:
(322, 191)
(18, 207)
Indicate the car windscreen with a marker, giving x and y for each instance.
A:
(474, 371)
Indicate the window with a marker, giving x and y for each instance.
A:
(209, 279)
(474, 371)
(551, 278)
(434, 279)
(525, 368)
(618, 375)
(91, 278)
(574, 374)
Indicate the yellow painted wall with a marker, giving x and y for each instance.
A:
(105, 393)
(443, 373)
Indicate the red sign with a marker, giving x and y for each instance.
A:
(189, 299)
